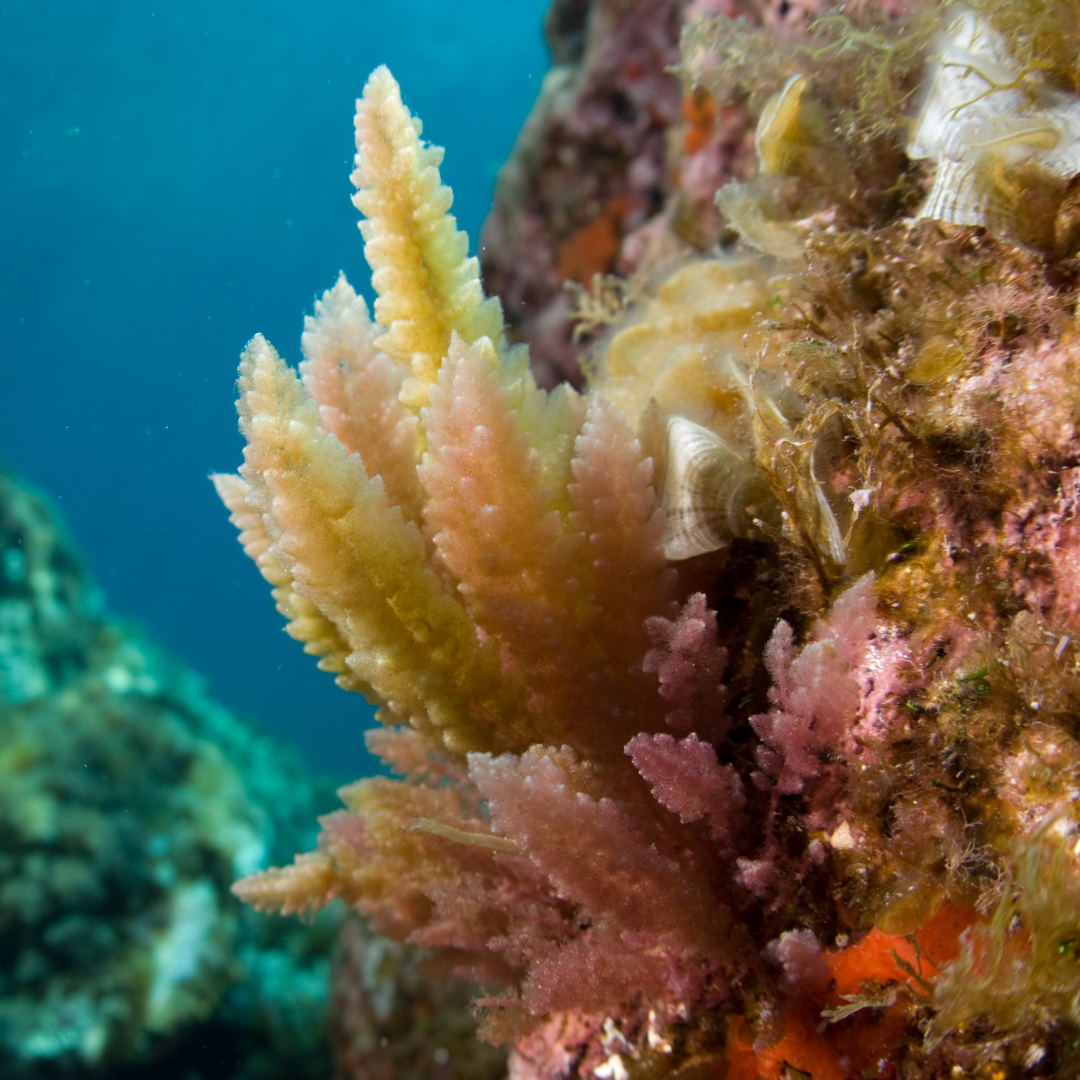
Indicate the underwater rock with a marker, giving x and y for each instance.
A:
(129, 800)
(804, 801)
(616, 168)
(588, 168)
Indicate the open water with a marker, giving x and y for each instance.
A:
(174, 176)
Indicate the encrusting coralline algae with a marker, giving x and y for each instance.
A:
(737, 694)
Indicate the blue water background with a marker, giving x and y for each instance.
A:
(175, 177)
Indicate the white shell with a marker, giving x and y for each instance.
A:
(706, 490)
(975, 118)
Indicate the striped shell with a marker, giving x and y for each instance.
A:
(710, 492)
(991, 139)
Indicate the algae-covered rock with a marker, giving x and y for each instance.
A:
(129, 802)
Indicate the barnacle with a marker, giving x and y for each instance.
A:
(788, 143)
(683, 361)
(795, 136)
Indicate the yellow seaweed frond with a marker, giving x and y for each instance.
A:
(318, 635)
(427, 285)
(356, 387)
(352, 554)
(542, 561)
(392, 868)
(308, 885)
(494, 516)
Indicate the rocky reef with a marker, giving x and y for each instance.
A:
(618, 163)
(590, 166)
(734, 698)
(129, 801)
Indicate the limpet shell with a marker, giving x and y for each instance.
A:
(710, 493)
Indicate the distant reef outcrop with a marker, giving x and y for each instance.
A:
(129, 802)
